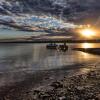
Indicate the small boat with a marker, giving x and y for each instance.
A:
(52, 46)
(63, 48)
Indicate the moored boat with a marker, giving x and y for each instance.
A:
(63, 48)
(52, 46)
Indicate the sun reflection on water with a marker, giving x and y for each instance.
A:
(87, 45)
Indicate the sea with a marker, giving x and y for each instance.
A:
(20, 60)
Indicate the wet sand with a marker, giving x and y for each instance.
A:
(38, 79)
(58, 84)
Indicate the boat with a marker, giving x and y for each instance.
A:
(63, 47)
(52, 46)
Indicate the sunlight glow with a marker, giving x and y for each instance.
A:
(87, 32)
(87, 45)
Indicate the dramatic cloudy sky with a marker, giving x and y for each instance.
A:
(50, 13)
(78, 11)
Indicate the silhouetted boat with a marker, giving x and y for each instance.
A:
(63, 47)
(52, 46)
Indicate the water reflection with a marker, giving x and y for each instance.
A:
(85, 55)
(37, 57)
(18, 60)
(87, 45)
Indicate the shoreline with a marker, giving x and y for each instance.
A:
(56, 86)
(95, 51)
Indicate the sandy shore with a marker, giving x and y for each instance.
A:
(89, 50)
(58, 85)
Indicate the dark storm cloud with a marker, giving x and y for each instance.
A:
(73, 10)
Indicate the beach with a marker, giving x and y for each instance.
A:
(31, 74)
(63, 86)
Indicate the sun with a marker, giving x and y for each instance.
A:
(87, 32)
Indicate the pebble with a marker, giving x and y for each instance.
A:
(70, 89)
(57, 85)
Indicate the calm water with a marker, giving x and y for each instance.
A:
(17, 60)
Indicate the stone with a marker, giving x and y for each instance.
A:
(57, 85)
